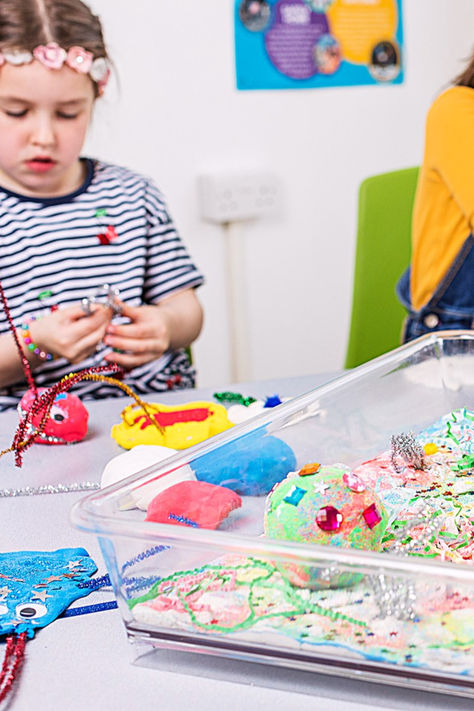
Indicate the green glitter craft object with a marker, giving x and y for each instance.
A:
(291, 514)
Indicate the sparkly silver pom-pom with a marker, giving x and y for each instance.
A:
(405, 447)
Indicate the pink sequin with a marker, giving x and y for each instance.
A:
(371, 516)
(329, 518)
(353, 482)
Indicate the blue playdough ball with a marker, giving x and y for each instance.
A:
(250, 466)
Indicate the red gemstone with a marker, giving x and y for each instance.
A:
(353, 482)
(329, 518)
(371, 515)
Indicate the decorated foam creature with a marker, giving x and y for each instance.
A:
(136, 459)
(175, 426)
(67, 419)
(35, 588)
(251, 465)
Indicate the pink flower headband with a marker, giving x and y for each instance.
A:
(53, 56)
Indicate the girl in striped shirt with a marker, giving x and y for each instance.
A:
(75, 231)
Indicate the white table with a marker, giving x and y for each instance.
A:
(84, 662)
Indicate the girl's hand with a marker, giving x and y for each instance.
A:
(173, 323)
(144, 339)
(69, 334)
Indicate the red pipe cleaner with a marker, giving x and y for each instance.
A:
(24, 359)
(14, 656)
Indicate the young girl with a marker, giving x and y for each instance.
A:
(438, 288)
(72, 227)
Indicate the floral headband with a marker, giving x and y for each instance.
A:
(53, 56)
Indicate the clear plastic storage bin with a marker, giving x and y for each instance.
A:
(388, 617)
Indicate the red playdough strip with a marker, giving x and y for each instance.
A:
(166, 419)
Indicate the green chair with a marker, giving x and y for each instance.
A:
(383, 252)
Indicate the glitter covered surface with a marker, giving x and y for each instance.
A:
(432, 508)
(36, 586)
(242, 595)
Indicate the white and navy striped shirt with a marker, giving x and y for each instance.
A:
(56, 246)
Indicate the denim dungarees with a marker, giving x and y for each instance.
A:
(452, 304)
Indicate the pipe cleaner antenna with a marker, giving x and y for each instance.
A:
(12, 661)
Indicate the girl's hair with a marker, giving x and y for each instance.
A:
(25, 24)
(466, 78)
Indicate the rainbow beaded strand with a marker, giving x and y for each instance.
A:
(28, 341)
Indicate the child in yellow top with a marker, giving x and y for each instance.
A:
(438, 288)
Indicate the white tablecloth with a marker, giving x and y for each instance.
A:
(84, 662)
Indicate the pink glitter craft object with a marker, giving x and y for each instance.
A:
(329, 518)
(67, 419)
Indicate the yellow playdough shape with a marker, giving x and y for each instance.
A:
(175, 426)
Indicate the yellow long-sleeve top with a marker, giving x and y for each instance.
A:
(443, 214)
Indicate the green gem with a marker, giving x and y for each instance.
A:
(31, 346)
(101, 212)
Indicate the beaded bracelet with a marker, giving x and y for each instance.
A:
(26, 335)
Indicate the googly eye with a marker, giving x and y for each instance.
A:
(57, 414)
(30, 611)
(3, 609)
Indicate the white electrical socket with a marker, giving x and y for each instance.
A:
(229, 197)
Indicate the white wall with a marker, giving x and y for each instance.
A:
(178, 114)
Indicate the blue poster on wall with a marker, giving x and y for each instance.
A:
(305, 44)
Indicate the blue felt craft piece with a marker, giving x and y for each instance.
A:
(251, 465)
(37, 586)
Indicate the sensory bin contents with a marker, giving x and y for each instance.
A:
(414, 499)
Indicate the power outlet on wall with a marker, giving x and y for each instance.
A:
(230, 197)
